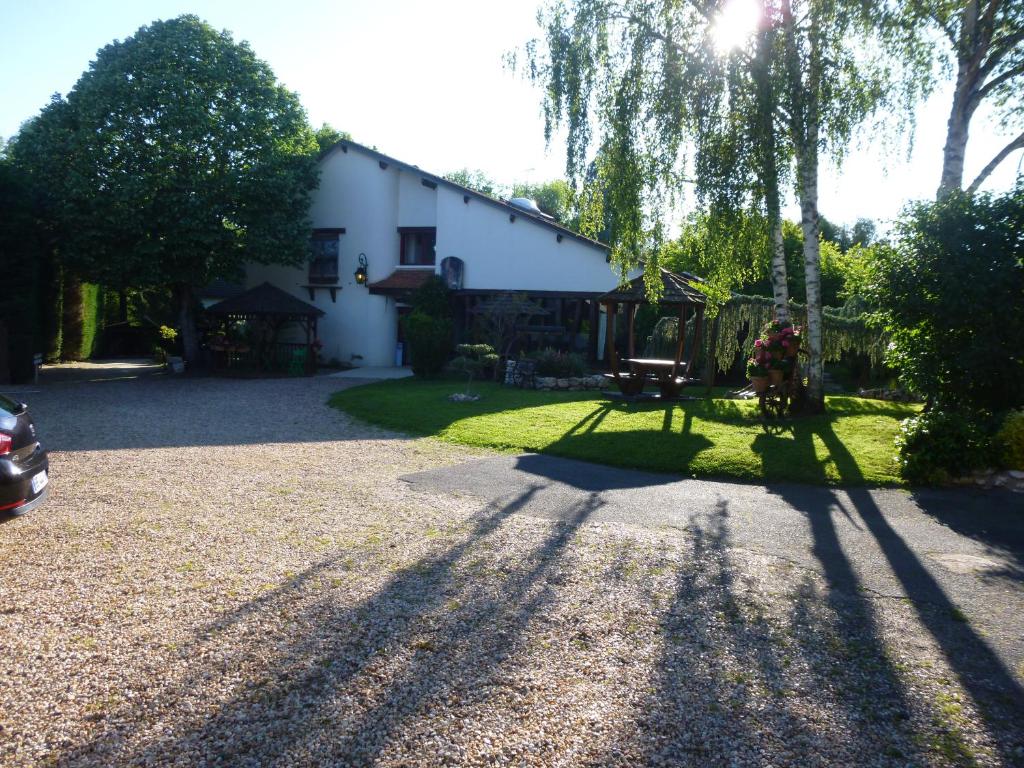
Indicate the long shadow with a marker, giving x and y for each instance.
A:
(994, 518)
(996, 692)
(979, 669)
(498, 624)
(425, 613)
(720, 646)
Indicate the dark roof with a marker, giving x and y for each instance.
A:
(344, 144)
(676, 289)
(402, 281)
(265, 299)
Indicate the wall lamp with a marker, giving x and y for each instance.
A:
(360, 273)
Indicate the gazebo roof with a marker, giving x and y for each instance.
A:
(265, 300)
(676, 289)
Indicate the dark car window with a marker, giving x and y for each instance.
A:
(8, 407)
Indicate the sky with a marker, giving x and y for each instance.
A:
(425, 82)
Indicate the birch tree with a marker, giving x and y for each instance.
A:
(986, 51)
(648, 75)
(834, 80)
(672, 111)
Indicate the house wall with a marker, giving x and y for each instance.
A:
(370, 203)
(356, 194)
(521, 255)
(417, 204)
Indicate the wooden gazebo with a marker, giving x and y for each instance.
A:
(271, 308)
(671, 375)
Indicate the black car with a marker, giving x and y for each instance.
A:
(24, 467)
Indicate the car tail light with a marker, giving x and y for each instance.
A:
(5, 443)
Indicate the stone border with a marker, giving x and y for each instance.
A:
(1011, 479)
(594, 382)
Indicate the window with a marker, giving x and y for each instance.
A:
(417, 246)
(323, 257)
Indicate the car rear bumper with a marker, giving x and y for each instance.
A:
(16, 496)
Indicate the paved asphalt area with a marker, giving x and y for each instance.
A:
(956, 555)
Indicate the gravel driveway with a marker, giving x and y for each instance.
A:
(232, 573)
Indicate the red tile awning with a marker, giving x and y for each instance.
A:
(402, 281)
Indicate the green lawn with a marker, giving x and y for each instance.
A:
(851, 445)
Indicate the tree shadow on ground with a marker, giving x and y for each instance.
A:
(741, 678)
(995, 691)
(444, 626)
(991, 517)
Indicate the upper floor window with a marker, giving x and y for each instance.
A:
(417, 249)
(323, 257)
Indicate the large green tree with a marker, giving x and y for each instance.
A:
(183, 159)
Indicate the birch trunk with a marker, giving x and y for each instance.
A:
(957, 130)
(767, 105)
(780, 284)
(807, 169)
(805, 128)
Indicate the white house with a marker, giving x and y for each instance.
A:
(382, 227)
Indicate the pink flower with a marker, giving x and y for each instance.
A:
(758, 343)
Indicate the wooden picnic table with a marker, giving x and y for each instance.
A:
(665, 372)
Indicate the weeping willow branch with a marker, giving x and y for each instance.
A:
(841, 335)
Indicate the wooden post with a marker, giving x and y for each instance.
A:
(595, 330)
(698, 321)
(610, 338)
(709, 364)
(681, 341)
(631, 324)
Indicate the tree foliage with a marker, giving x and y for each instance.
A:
(475, 179)
(950, 296)
(327, 136)
(176, 158)
(648, 77)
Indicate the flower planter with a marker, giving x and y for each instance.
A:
(793, 348)
(775, 376)
(759, 383)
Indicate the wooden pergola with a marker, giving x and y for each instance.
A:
(676, 290)
(272, 309)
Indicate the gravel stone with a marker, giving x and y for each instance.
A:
(230, 572)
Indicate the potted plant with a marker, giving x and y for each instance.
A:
(777, 369)
(758, 375)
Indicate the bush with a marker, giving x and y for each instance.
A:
(561, 365)
(950, 297)
(432, 298)
(430, 342)
(937, 446)
(1010, 440)
(473, 360)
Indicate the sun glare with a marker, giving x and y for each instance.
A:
(736, 22)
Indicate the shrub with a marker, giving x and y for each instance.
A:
(430, 342)
(561, 365)
(950, 297)
(1010, 440)
(432, 298)
(474, 359)
(936, 446)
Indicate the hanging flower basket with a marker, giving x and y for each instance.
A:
(757, 371)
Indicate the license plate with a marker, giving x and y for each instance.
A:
(39, 481)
